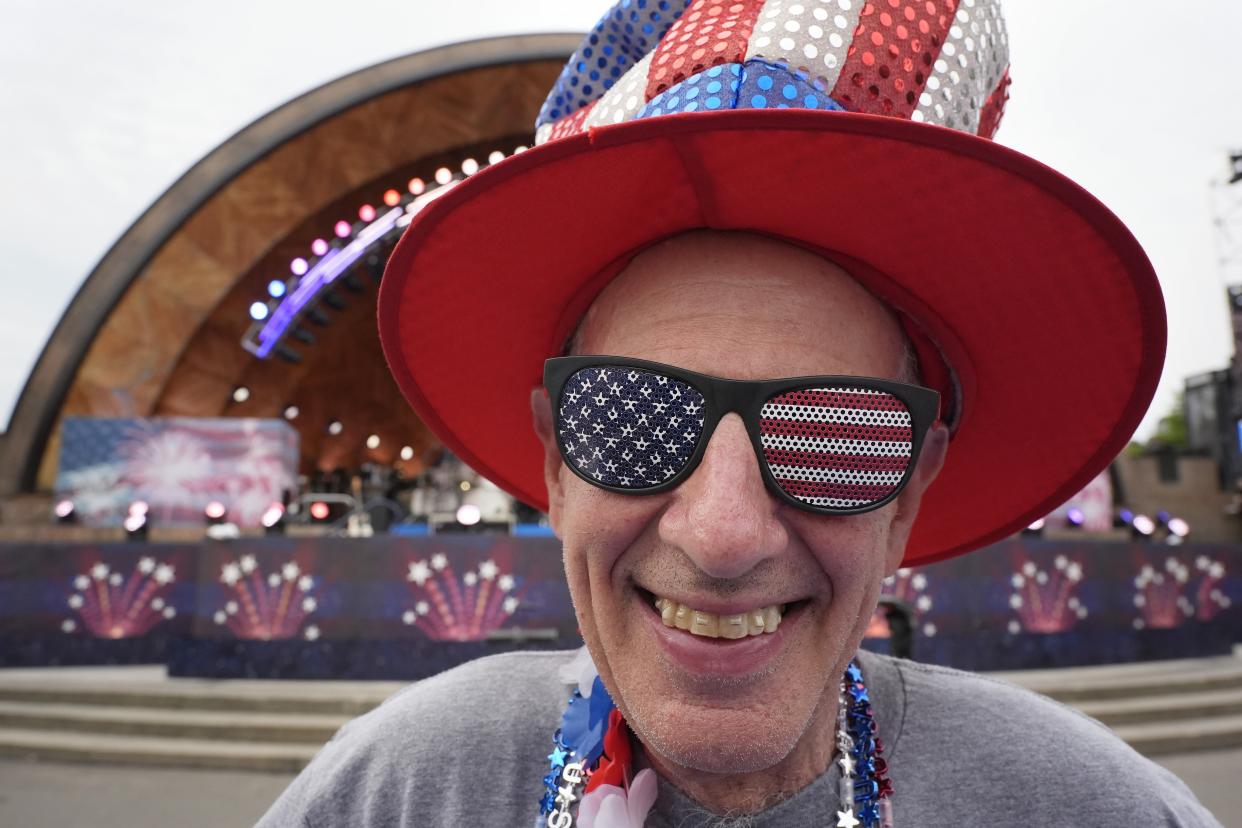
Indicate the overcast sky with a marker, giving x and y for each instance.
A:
(106, 104)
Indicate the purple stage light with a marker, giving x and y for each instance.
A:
(319, 247)
(1075, 517)
(298, 266)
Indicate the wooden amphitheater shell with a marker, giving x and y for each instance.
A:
(155, 329)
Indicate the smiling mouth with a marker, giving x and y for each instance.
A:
(757, 621)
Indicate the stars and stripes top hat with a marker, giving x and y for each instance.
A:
(860, 130)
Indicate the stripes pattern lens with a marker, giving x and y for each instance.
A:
(628, 428)
(839, 448)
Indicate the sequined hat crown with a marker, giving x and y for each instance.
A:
(940, 62)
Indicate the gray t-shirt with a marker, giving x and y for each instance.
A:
(470, 746)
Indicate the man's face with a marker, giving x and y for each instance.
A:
(741, 307)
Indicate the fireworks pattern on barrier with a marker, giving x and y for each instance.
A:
(1044, 600)
(1166, 599)
(267, 607)
(111, 605)
(447, 608)
(910, 587)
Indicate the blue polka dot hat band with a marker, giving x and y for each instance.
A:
(942, 62)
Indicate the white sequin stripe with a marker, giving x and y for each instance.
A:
(626, 97)
(812, 35)
(860, 478)
(858, 448)
(965, 72)
(543, 133)
(824, 414)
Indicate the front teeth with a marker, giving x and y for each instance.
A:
(710, 625)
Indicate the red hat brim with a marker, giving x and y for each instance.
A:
(1040, 299)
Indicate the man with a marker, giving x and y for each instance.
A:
(801, 348)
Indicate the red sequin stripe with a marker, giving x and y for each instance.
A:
(891, 56)
(839, 398)
(710, 32)
(571, 124)
(843, 491)
(844, 462)
(994, 108)
(835, 431)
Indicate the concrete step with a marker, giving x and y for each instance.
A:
(1117, 712)
(153, 751)
(280, 728)
(150, 687)
(1075, 685)
(1191, 736)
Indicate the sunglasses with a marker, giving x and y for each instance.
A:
(836, 445)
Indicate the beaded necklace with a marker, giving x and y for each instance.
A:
(591, 757)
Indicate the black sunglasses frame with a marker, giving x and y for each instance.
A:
(745, 398)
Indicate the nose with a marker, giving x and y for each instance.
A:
(723, 517)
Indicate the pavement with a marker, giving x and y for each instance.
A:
(51, 795)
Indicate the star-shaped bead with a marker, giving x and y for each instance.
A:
(558, 756)
(846, 819)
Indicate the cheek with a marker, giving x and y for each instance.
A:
(852, 551)
(597, 528)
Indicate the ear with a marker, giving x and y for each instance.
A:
(541, 416)
(931, 459)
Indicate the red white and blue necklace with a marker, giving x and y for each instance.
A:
(590, 766)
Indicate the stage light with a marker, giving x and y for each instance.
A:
(407, 453)
(520, 148)
(64, 511)
(1162, 518)
(1143, 525)
(320, 510)
(373, 442)
(367, 213)
(495, 157)
(275, 288)
(136, 526)
(215, 512)
(335, 427)
(464, 485)
(469, 166)
(1123, 518)
(299, 266)
(319, 247)
(273, 519)
(444, 175)
(258, 311)
(1036, 528)
(1075, 518)
(291, 412)
(1178, 527)
(241, 393)
(417, 186)
(468, 514)
(139, 507)
(392, 198)
(342, 229)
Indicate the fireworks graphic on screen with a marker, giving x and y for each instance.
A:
(1044, 600)
(911, 588)
(467, 609)
(1165, 599)
(267, 607)
(111, 605)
